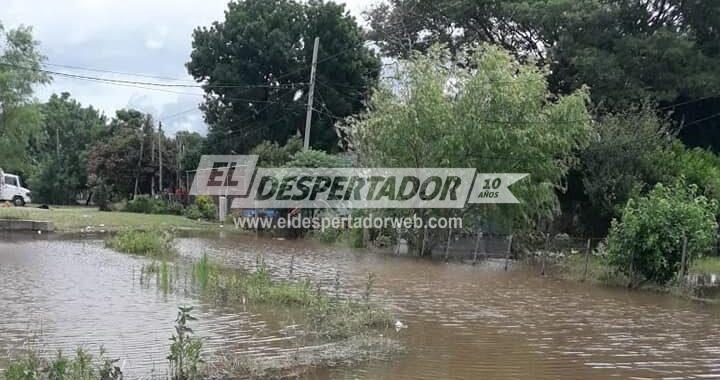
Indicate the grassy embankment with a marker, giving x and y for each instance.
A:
(77, 219)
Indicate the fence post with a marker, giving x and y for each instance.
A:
(507, 254)
(447, 246)
(477, 243)
(544, 253)
(683, 263)
(587, 257)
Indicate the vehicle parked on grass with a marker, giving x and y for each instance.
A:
(11, 189)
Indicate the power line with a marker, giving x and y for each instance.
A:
(178, 114)
(689, 102)
(701, 120)
(73, 67)
(151, 84)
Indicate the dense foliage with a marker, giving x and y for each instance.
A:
(68, 132)
(497, 118)
(648, 239)
(625, 50)
(20, 116)
(256, 60)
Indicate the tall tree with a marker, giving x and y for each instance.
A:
(499, 118)
(19, 113)
(625, 50)
(68, 132)
(128, 153)
(254, 62)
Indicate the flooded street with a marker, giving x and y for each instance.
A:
(464, 322)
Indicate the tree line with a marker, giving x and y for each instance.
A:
(600, 100)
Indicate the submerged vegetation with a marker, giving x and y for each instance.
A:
(157, 244)
(82, 366)
(327, 316)
(184, 360)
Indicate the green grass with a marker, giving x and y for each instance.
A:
(82, 366)
(156, 244)
(77, 219)
(327, 316)
(706, 265)
(14, 213)
(572, 268)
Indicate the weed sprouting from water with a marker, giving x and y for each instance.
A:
(201, 271)
(368, 288)
(336, 286)
(165, 277)
(185, 349)
(292, 266)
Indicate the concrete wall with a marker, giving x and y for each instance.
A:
(25, 225)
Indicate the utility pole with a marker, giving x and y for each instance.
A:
(178, 156)
(139, 165)
(308, 116)
(57, 141)
(152, 160)
(160, 185)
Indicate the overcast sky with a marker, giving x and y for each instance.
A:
(129, 36)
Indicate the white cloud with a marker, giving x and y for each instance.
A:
(131, 36)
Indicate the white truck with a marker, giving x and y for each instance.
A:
(11, 190)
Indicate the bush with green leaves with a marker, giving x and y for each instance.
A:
(193, 212)
(148, 205)
(317, 159)
(206, 206)
(648, 239)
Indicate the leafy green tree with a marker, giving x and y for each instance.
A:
(20, 115)
(316, 159)
(621, 158)
(498, 117)
(254, 63)
(626, 51)
(648, 240)
(191, 146)
(68, 132)
(698, 166)
(272, 155)
(126, 159)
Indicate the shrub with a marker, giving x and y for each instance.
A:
(649, 238)
(140, 204)
(206, 206)
(148, 243)
(193, 212)
(148, 205)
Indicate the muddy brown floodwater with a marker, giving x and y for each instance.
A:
(463, 322)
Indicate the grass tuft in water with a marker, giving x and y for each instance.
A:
(80, 367)
(147, 243)
(327, 316)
